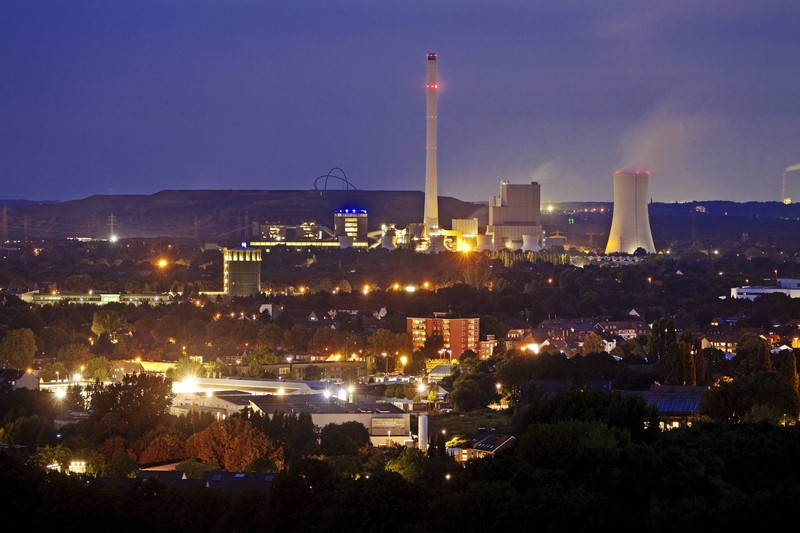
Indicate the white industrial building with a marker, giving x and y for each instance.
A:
(787, 286)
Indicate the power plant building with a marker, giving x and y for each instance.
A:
(515, 216)
(630, 222)
(241, 271)
(350, 223)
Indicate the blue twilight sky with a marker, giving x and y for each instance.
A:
(138, 96)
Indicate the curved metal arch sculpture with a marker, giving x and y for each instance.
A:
(330, 175)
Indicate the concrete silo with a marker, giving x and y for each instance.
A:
(630, 223)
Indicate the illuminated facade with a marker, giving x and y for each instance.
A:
(458, 334)
(630, 223)
(242, 271)
(96, 298)
(350, 223)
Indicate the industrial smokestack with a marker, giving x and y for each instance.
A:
(431, 220)
(630, 223)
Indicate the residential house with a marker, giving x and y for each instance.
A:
(484, 445)
(18, 379)
(677, 405)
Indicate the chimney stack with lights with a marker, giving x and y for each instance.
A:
(431, 219)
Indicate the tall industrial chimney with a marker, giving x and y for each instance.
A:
(431, 220)
(630, 223)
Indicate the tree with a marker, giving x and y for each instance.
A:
(680, 362)
(347, 438)
(51, 339)
(18, 348)
(162, 446)
(325, 341)
(233, 444)
(168, 328)
(75, 400)
(758, 395)
(593, 343)
(139, 401)
(628, 411)
(50, 455)
(313, 373)
(466, 395)
(752, 355)
(294, 432)
(785, 363)
(53, 371)
(74, 355)
(387, 341)
(661, 338)
(433, 346)
(301, 441)
(31, 430)
(108, 321)
(186, 368)
(297, 338)
(97, 369)
(271, 336)
(244, 332)
(410, 464)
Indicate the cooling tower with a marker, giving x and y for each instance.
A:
(630, 223)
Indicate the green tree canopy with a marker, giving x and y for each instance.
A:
(18, 348)
(347, 438)
(138, 401)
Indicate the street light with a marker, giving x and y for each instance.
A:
(420, 389)
(61, 394)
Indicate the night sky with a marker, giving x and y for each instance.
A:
(134, 97)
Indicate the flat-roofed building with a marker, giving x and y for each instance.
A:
(242, 271)
(387, 424)
(458, 334)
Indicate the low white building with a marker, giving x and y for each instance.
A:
(788, 286)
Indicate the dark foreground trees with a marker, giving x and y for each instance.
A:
(567, 473)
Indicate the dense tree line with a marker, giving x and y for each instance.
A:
(583, 461)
